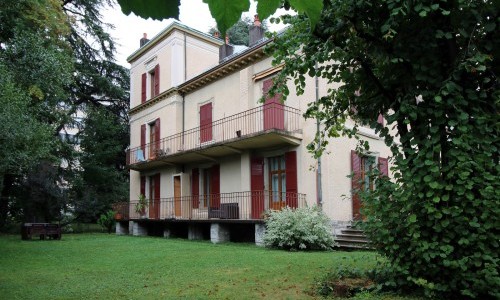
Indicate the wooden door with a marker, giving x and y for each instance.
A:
(257, 186)
(154, 197)
(177, 196)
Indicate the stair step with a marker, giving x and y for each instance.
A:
(356, 241)
(354, 246)
(352, 231)
(352, 235)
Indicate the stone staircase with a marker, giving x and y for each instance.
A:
(352, 238)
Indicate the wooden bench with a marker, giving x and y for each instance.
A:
(43, 230)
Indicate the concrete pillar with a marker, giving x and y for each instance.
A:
(260, 229)
(219, 233)
(167, 233)
(121, 229)
(131, 227)
(195, 232)
(139, 229)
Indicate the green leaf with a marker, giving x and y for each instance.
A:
(267, 8)
(154, 9)
(312, 8)
(226, 12)
(412, 218)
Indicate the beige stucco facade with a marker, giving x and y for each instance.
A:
(191, 78)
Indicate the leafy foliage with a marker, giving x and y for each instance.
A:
(102, 177)
(239, 32)
(306, 228)
(56, 60)
(107, 220)
(430, 69)
(225, 12)
(344, 281)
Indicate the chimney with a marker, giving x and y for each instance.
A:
(226, 49)
(256, 31)
(216, 34)
(144, 39)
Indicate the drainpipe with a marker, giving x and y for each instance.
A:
(319, 189)
(183, 95)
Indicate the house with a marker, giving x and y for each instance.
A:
(210, 158)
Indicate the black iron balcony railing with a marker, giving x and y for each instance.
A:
(269, 117)
(228, 206)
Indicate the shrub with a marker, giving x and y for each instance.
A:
(298, 229)
(344, 282)
(107, 220)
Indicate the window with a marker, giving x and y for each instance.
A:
(362, 166)
(368, 164)
(153, 137)
(277, 182)
(151, 80)
(206, 187)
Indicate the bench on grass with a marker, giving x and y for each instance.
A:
(43, 230)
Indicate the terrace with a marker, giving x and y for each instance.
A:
(268, 125)
(224, 206)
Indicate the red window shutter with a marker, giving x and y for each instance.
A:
(215, 186)
(257, 186)
(157, 80)
(143, 185)
(195, 187)
(143, 139)
(355, 184)
(206, 122)
(266, 86)
(291, 179)
(143, 88)
(380, 119)
(157, 134)
(157, 180)
(274, 114)
(383, 166)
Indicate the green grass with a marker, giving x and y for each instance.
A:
(101, 266)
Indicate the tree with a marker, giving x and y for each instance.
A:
(60, 58)
(33, 51)
(102, 178)
(239, 32)
(430, 69)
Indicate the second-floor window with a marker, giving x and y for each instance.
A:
(150, 140)
(274, 114)
(206, 122)
(150, 85)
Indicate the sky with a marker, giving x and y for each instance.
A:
(129, 29)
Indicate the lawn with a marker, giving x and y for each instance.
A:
(101, 266)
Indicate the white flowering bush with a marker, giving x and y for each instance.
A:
(306, 228)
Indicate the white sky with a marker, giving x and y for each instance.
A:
(129, 29)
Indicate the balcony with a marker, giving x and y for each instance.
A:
(225, 206)
(264, 126)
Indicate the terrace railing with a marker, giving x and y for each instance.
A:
(250, 205)
(269, 117)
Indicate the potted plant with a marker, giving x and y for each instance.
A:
(141, 205)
